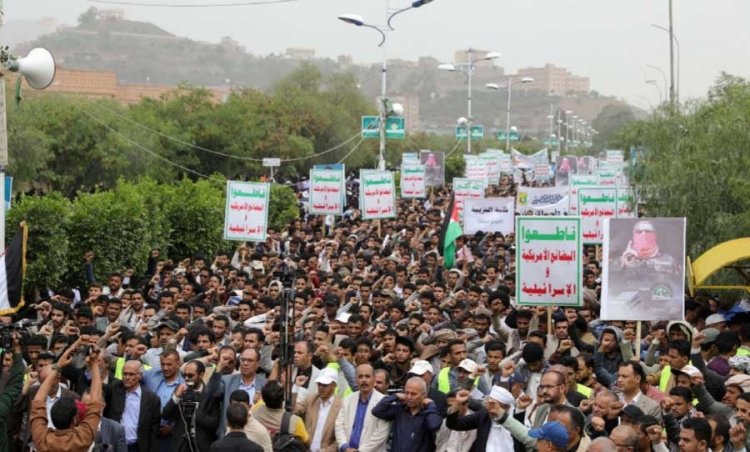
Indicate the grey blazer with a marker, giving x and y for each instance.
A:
(230, 384)
(110, 437)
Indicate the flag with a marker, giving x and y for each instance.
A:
(12, 271)
(450, 231)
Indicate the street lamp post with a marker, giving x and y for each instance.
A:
(679, 52)
(357, 20)
(495, 86)
(467, 69)
(656, 85)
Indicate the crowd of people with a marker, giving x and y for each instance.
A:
(387, 351)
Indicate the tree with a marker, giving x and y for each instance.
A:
(609, 121)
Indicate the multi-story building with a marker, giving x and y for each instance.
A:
(411, 111)
(553, 80)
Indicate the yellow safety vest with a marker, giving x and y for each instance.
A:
(743, 351)
(340, 391)
(444, 381)
(584, 390)
(664, 381)
(120, 364)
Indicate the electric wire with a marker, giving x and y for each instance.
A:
(352, 151)
(453, 150)
(211, 151)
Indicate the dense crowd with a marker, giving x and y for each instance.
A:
(389, 350)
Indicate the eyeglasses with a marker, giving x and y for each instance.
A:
(247, 360)
(544, 387)
(191, 376)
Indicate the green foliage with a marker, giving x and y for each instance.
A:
(695, 164)
(48, 246)
(283, 208)
(609, 122)
(455, 166)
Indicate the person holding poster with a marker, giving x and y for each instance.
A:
(642, 278)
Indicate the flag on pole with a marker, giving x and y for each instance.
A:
(450, 231)
(12, 271)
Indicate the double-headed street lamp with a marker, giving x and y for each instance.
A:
(385, 108)
(467, 69)
(496, 87)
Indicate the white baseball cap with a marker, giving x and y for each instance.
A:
(327, 376)
(468, 365)
(420, 366)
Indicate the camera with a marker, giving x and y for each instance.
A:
(7, 330)
(189, 401)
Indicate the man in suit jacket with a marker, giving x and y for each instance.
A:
(248, 380)
(140, 437)
(206, 417)
(630, 375)
(235, 440)
(110, 437)
(322, 430)
(356, 427)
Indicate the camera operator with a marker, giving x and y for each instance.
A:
(195, 409)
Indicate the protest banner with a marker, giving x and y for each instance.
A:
(565, 166)
(542, 172)
(327, 192)
(434, 163)
(576, 181)
(489, 215)
(409, 158)
(548, 261)
(377, 194)
(542, 201)
(523, 161)
(506, 165)
(246, 212)
(464, 189)
(608, 177)
(643, 275)
(491, 159)
(626, 207)
(475, 168)
(594, 206)
(613, 156)
(413, 181)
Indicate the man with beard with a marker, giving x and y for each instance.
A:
(551, 391)
(612, 351)
(488, 421)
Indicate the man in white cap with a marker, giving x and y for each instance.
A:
(320, 412)
(423, 369)
(491, 435)
(716, 321)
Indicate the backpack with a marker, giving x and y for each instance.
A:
(284, 441)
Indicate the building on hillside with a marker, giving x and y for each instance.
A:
(300, 53)
(104, 85)
(462, 57)
(553, 80)
(411, 111)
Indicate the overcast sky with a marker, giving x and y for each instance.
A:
(610, 41)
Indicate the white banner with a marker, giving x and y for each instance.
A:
(594, 206)
(475, 169)
(615, 156)
(377, 194)
(548, 261)
(491, 159)
(246, 212)
(524, 161)
(643, 276)
(489, 215)
(413, 181)
(464, 189)
(577, 181)
(327, 192)
(542, 201)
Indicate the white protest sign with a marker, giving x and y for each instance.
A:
(548, 261)
(614, 156)
(489, 215)
(327, 192)
(464, 189)
(377, 194)
(577, 181)
(625, 203)
(594, 206)
(542, 201)
(475, 167)
(246, 212)
(413, 181)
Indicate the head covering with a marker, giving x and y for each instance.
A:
(171, 324)
(713, 319)
(502, 395)
(690, 371)
(741, 380)
(553, 432)
(468, 365)
(741, 363)
(682, 325)
(327, 376)
(420, 366)
(634, 413)
(709, 335)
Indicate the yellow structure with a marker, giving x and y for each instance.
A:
(723, 255)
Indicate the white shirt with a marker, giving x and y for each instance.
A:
(499, 438)
(325, 407)
(51, 401)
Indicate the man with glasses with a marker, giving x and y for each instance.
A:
(551, 391)
(248, 380)
(198, 431)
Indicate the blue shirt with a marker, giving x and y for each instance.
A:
(359, 422)
(131, 415)
(155, 382)
(411, 432)
(249, 389)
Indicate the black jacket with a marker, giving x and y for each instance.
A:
(479, 420)
(207, 417)
(235, 441)
(149, 416)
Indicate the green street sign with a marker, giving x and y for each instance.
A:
(477, 132)
(514, 135)
(550, 142)
(394, 127)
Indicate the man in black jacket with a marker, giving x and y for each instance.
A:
(235, 440)
(141, 417)
(498, 402)
(205, 418)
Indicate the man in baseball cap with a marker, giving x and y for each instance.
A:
(550, 437)
(423, 369)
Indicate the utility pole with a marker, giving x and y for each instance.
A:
(672, 98)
